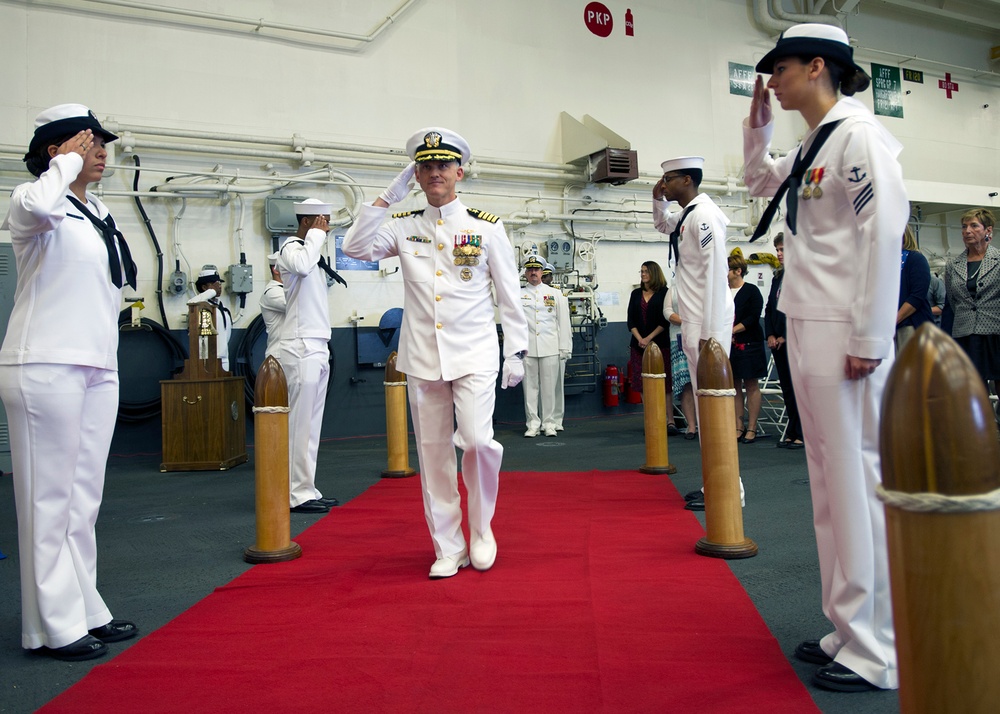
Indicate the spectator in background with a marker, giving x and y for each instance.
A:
(914, 281)
(936, 298)
(972, 283)
(646, 322)
(747, 357)
(776, 330)
(680, 377)
(564, 357)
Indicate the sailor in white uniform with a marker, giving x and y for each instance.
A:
(453, 258)
(272, 309)
(59, 381)
(698, 247)
(564, 355)
(305, 351)
(209, 279)
(550, 344)
(845, 211)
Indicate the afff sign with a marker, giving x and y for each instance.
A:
(598, 19)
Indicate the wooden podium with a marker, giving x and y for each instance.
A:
(204, 412)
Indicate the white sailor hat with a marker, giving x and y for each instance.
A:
(438, 144)
(534, 261)
(683, 162)
(312, 207)
(547, 269)
(811, 39)
(209, 274)
(272, 259)
(65, 120)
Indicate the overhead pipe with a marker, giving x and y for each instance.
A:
(947, 14)
(778, 12)
(256, 26)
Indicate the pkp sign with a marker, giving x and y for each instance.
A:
(598, 19)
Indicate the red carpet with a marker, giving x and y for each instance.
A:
(597, 603)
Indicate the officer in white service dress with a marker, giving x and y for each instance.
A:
(550, 344)
(272, 309)
(59, 381)
(305, 351)
(698, 248)
(845, 211)
(564, 355)
(451, 257)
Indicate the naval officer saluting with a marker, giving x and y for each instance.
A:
(451, 256)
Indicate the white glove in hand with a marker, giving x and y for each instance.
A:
(513, 372)
(564, 355)
(401, 185)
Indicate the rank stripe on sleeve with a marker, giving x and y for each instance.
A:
(863, 198)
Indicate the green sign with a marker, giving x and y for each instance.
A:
(913, 75)
(888, 91)
(741, 79)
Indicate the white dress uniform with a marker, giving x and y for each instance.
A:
(549, 338)
(305, 358)
(560, 410)
(704, 301)
(224, 325)
(448, 348)
(840, 293)
(272, 311)
(59, 385)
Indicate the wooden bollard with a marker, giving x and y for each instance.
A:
(270, 420)
(654, 410)
(396, 432)
(720, 465)
(941, 475)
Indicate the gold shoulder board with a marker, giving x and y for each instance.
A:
(483, 215)
(408, 213)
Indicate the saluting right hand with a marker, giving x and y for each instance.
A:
(760, 105)
(401, 185)
(79, 144)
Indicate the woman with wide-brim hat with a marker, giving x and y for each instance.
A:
(845, 211)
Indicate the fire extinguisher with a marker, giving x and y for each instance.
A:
(612, 386)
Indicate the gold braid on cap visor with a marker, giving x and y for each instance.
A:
(440, 153)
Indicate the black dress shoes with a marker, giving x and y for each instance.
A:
(115, 631)
(839, 678)
(313, 506)
(698, 505)
(87, 647)
(810, 651)
(329, 502)
(690, 435)
(698, 495)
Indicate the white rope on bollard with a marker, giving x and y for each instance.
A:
(716, 393)
(938, 503)
(646, 375)
(271, 410)
(393, 384)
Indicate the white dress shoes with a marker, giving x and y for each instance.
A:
(448, 565)
(550, 431)
(483, 551)
(531, 433)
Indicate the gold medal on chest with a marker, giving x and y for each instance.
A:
(465, 275)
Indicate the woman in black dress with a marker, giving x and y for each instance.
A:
(747, 356)
(646, 322)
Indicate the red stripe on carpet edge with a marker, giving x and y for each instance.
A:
(597, 602)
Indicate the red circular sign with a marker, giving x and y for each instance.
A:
(598, 19)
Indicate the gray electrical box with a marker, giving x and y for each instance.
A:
(240, 279)
(560, 253)
(279, 214)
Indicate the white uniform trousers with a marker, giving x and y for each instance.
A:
(61, 420)
(840, 425)
(436, 406)
(690, 338)
(541, 379)
(306, 363)
(560, 411)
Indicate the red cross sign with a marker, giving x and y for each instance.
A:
(947, 85)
